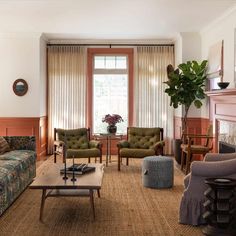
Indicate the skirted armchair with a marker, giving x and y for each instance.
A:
(141, 142)
(214, 166)
(76, 143)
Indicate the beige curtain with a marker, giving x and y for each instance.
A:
(152, 104)
(66, 89)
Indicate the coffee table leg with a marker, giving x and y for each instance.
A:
(98, 191)
(92, 202)
(42, 204)
(107, 154)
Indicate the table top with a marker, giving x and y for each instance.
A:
(50, 178)
(116, 135)
(221, 182)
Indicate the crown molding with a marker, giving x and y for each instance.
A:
(219, 19)
(20, 34)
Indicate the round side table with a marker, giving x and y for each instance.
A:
(220, 207)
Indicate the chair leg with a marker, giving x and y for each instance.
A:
(127, 161)
(55, 158)
(182, 159)
(119, 159)
(101, 159)
(89, 160)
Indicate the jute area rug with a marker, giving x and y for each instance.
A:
(125, 208)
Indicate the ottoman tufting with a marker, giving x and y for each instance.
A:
(158, 172)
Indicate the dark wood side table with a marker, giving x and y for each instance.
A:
(220, 207)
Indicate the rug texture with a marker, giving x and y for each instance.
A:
(125, 208)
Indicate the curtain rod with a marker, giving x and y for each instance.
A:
(106, 44)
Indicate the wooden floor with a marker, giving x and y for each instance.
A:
(125, 208)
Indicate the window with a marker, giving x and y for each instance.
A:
(110, 91)
(110, 87)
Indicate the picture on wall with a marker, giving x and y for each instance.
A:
(215, 65)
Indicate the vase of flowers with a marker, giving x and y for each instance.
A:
(112, 120)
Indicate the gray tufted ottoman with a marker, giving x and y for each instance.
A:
(158, 172)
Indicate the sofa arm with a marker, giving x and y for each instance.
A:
(95, 144)
(21, 142)
(213, 169)
(219, 156)
(123, 144)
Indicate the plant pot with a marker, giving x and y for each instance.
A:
(111, 129)
(177, 150)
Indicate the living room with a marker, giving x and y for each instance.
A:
(57, 58)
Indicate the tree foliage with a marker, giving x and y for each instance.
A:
(186, 85)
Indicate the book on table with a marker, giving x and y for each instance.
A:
(79, 169)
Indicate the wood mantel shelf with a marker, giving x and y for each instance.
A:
(221, 92)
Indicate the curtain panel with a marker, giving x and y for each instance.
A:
(152, 104)
(66, 89)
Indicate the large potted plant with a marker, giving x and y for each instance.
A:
(186, 87)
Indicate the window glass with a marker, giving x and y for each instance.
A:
(121, 62)
(99, 62)
(110, 62)
(110, 94)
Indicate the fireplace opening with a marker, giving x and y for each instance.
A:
(226, 147)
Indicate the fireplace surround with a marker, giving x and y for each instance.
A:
(223, 117)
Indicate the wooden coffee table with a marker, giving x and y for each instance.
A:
(53, 185)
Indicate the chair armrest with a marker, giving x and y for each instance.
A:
(159, 144)
(123, 144)
(95, 144)
(200, 136)
(213, 169)
(219, 156)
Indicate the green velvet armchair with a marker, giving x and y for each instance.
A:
(141, 142)
(76, 143)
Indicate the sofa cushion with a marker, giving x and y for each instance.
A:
(4, 146)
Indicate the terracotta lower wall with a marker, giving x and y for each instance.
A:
(195, 125)
(24, 126)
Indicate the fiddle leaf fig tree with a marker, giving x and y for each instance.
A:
(186, 86)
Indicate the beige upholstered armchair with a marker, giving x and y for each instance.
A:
(76, 143)
(214, 165)
(141, 142)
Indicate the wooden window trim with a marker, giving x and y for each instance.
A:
(118, 51)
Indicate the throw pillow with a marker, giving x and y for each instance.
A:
(4, 146)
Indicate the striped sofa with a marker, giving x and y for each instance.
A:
(17, 169)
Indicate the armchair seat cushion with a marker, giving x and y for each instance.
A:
(136, 152)
(92, 152)
(195, 148)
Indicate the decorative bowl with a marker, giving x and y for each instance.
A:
(223, 85)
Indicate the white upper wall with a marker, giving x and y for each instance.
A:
(191, 46)
(20, 58)
(43, 76)
(222, 29)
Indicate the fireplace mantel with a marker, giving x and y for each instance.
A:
(221, 92)
(222, 108)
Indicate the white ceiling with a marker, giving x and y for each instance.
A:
(110, 19)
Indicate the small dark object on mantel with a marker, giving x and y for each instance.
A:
(223, 85)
